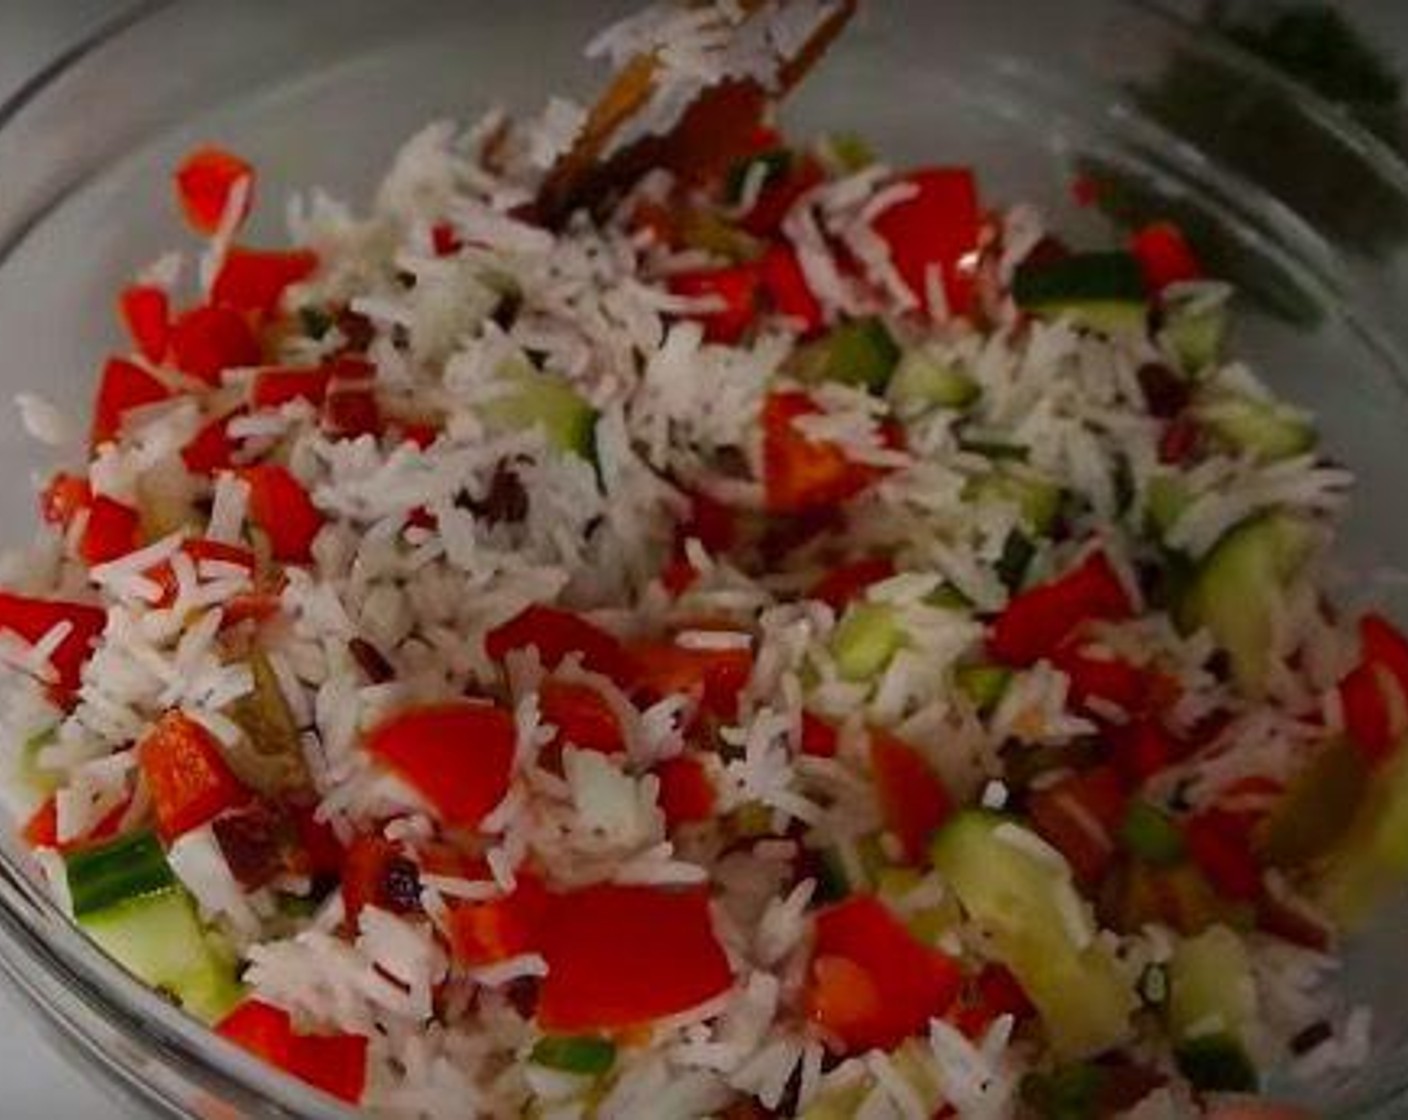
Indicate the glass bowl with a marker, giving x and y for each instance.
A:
(1306, 212)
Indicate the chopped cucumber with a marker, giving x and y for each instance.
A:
(1017, 554)
(1371, 860)
(1151, 836)
(1267, 430)
(837, 1104)
(158, 938)
(127, 868)
(1166, 499)
(1211, 1004)
(1240, 585)
(1027, 905)
(1195, 324)
(1316, 810)
(578, 1054)
(861, 353)
(274, 762)
(545, 401)
(868, 636)
(1037, 499)
(922, 382)
(1215, 1063)
(1101, 292)
(984, 685)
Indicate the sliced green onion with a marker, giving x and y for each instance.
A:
(575, 1054)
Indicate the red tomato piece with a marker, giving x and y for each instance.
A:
(145, 310)
(800, 474)
(714, 677)
(255, 279)
(206, 341)
(487, 932)
(624, 956)
(1164, 256)
(938, 227)
(335, 1063)
(686, 793)
(187, 775)
(458, 755)
(582, 717)
(280, 506)
(113, 530)
(212, 448)
(1036, 622)
(204, 181)
(819, 738)
(912, 981)
(556, 633)
(913, 798)
(122, 387)
(1079, 817)
(848, 582)
(734, 288)
(276, 386)
(31, 619)
(785, 285)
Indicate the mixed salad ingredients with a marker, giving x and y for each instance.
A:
(790, 637)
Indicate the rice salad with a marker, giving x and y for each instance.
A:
(793, 638)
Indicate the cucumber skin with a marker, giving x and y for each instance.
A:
(118, 871)
(1100, 291)
(862, 353)
(1264, 429)
(921, 382)
(867, 638)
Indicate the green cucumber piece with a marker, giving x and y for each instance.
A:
(984, 685)
(1316, 810)
(1216, 1063)
(1239, 586)
(868, 637)
(861, 353)
(582, 1054)
(1151, 836)
(1212, 992)
(993, 449)
(1267, 430)
(1371, 860)
(922, 382)
(130, 867)
(1102, 292)
(1194, 327)
(1166, 499)
(837, 1104)
(546, 401)
(158, 938)
(1022, 901)
(1037, 499)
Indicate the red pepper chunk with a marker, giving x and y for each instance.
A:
(204, 181)
(206, 341)
(30, 619)
(686, 793)
(873, 984)
(1079, 816)
(1219, 843)
(277, 386)
(1036, 622)
(714, 677)
(840, 586)
(335, 1063)
(938, 227)
(212, 448)
(735, 289)
(375, 873)
(801, 474)
(1164, 256)
(556, 633)
(458, 755)
(624, 956)
(164, 576)
(913, 798)
(187, 775)
(1111, 680)
(989, 995)
(66, 496)
(280, 506)
(122, 387)
(819, 738)
(487, 932)
(785, 285)
(1374, 710)
(1143, 748)
(777, 198)
(255, 279)
(42, 828)
(582, 717)
(113, 530)
(145, 310)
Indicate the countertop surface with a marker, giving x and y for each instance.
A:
(37, 1082)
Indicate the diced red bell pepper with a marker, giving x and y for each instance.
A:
(1374, 710)
(785, 285)
(122, 387)
(848, 582)
(624, 956)
(686, 793)
(351, 408)
(280, 506)
(1292, 923)
(491, 931)
(1079, 816)
(1111, 680)
(1036, 622)
(556, 633)
(1383, 644)
(31, 619)
(582, 717)
(712, 524)
(375, 872)
(936, 228)
(164, 576)
(254, 280)
(66, 496)
(212, 448)
(206, 341)
(715, 677)
(1164, 256)
(819, 738)
(913, 798)
(1219, 843)
(204, 181)
(336, 1063)
(734, 288)
(986, 997)
(186, 775)
(911, 983)
(321, 849)
(145, 310)
(800, 474)
(444, 240)
(420, 433)
(276, 386)
(1143, 748)
(458, 755)
(776, 199)
(113, 530)
(42, 828)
